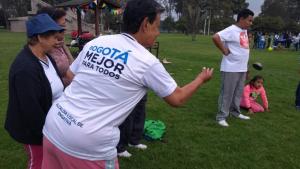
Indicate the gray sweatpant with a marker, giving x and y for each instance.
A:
(232, 85)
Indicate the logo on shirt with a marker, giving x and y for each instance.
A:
(244, 41)
(67, 117)
(106, 60)
(254, 95)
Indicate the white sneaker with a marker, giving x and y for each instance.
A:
(240, 116)
(125, 154)
(223, 123)
(138, 146)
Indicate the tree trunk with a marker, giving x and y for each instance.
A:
(193, 14)
(194, 35)
(7, 25)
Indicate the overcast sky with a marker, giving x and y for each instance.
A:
(255, 5)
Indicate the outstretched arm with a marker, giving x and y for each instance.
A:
(69, 75)
(182, 94)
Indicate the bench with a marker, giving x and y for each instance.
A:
(154, 48)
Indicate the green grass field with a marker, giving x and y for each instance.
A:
(193, 139)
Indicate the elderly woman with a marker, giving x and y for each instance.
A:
(61, 54)
(33, 85)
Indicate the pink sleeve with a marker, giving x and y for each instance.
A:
(264, 97)
(246, 96)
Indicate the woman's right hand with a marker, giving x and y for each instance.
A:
(206, 74)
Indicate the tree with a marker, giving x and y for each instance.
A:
(14, 8)
(2, 18)
(268, 24)
(169, 6)
(168, 24)
(274, 9)
(193, 10)
(238, 5)
(178, 5)
(219, 12)
(218, 24)
(181, 24)
(287, 10)
(292, 27)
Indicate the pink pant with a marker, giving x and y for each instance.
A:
(255, 107)
(57, 159)
(35, 156)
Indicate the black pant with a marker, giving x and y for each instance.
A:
(132, 129)
(297, 102)
(297, 46)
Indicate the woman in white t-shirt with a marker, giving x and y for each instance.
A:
(33, 85)
(112, 74)
(61, 54)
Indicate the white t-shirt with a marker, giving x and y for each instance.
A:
(112, 74)
(56, 84)
(236, 40)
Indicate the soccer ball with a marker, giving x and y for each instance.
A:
(270, 49)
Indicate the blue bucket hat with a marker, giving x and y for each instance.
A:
(40, 24)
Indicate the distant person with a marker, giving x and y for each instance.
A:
(276, 40)
(283, 39)
(269, 41)
(34, 84)
(262, 41)
(132, 129)
(252, 90)
(250, 37)
(296, 41)
(233, 43)
(255, 40)
(61, 54)
(111, 75)
(288, 40)
(297, 101)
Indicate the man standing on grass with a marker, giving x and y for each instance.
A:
(234, 44)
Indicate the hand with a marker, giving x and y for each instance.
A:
(226, 51)
(206, 74)
(59, 44)
(267, 109)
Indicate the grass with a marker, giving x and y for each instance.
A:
(11, 153)
(193, 139)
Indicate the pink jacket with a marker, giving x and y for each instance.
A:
(63, 60)
(251, 94)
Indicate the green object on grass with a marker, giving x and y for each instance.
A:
(154, 129)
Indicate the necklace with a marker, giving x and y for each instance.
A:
(44, 61)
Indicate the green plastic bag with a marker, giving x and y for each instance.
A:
(154, 130)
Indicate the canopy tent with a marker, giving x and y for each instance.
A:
(77, 3)
(74, 3)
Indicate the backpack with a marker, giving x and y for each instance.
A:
(154, 130)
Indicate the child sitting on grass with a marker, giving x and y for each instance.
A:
(251, 91)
